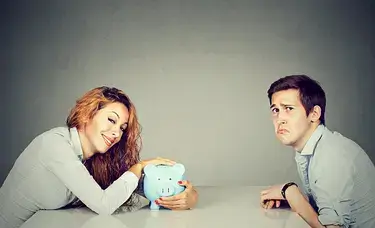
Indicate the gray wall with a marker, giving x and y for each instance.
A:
(198, 72)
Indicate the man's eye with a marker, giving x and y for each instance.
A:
(274, 110)
(111, 120)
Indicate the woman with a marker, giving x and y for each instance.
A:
(94, 161)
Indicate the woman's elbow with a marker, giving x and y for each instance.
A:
(104, 211)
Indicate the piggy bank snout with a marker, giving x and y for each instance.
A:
(166, 190)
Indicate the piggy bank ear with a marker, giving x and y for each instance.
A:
(148, 169)
(179, 168)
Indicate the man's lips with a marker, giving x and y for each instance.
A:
(282, 131)
(108, 140)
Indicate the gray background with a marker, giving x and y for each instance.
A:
(198, 72)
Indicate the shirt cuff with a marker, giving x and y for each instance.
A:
(334, 216)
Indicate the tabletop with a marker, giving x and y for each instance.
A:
(219, 206)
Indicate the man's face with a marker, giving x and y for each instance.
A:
(292, 125)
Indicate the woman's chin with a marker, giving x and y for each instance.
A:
(103, 150)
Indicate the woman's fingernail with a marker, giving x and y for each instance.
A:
(180, 182)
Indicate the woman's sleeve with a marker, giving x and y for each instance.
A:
(64, 163)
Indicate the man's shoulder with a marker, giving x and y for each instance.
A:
(335, 146)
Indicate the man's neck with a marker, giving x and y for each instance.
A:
(302, 142)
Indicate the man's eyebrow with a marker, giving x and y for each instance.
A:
(284, 105)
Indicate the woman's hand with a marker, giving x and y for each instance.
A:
(137, 168)
(182, 201)
(157, 161)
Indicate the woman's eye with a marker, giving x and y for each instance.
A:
(289, 108)
(111, 120)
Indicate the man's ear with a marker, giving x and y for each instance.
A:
(315, 113)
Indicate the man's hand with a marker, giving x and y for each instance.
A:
(271, 197)
(182, 201)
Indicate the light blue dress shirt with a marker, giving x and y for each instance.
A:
(339, 179)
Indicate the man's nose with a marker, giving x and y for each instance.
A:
(281, 117)
(281, 121)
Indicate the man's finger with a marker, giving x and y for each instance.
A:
(278, 203)
(264, 197)
(264, 203)
(271, 203)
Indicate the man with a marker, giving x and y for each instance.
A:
(338, 178)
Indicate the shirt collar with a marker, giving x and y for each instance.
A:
(309, 148)
(76, 142)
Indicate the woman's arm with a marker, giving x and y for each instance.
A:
(63, 162)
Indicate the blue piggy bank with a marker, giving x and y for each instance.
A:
(161, 180)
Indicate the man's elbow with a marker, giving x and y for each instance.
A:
(335, 222)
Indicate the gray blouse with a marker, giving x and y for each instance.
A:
(49, 174)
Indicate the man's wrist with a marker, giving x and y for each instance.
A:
(291, 189)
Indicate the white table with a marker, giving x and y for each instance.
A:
(217, 207)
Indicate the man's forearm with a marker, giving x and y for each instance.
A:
(301, 206)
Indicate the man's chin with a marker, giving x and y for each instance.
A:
(286, 142)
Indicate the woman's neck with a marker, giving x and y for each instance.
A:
(87, 148)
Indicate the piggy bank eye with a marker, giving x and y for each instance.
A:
(159, 178)
(170, 178)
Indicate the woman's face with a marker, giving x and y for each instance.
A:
(105, 129)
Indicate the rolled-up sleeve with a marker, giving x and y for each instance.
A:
(333, 191)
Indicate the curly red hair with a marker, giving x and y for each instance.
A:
(108, 167)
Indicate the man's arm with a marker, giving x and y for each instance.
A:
(301, 206)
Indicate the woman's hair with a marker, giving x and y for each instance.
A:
(108, 167)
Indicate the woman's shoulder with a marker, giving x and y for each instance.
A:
(49, 144)
(57, 142)
(56, 133)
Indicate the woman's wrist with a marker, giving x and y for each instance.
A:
(137, 169)
(142, 164)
